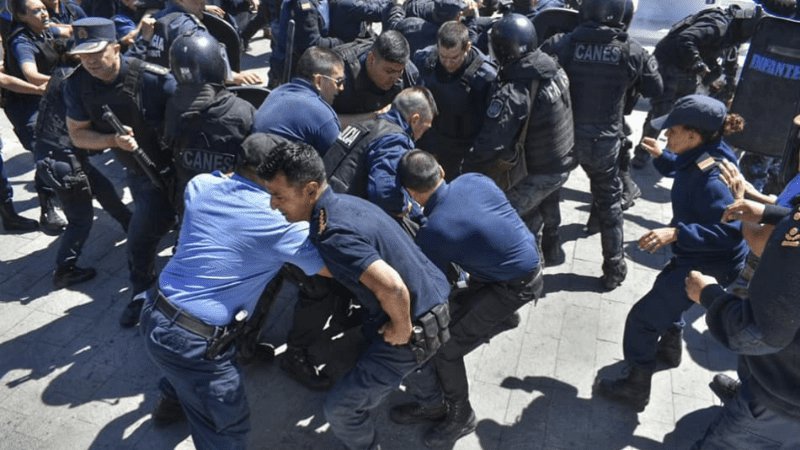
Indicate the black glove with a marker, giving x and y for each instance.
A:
(700, 68)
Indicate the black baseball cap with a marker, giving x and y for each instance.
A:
(695, 111)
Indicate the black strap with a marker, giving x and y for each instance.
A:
(470, 71)
(186, 320)
(130, 85)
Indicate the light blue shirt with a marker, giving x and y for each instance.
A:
(231, 245)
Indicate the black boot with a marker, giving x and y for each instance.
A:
(670, 348)
(410, 413)
(167, 412)
(630, 190)
(70, 274)
(614, 273)
(130, 315)
(633, 389)
(552, 253)
(297, 364)
(724, 387)
(460, 421)
(13, 221)
(50, 220)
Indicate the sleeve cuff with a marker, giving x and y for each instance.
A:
(774, 213)
(711, 293)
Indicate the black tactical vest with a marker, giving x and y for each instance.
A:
(550, 138)
(52, 135)
(599, 75)
(124, 98)
(47, 58)
(346, 160)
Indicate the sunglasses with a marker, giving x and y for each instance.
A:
(338, 81)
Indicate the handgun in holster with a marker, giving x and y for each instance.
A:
(430, 332)
(220, 344)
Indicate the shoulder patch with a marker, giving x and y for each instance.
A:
(349, 136)
(494, 109)
(155, 68)
(705, 162)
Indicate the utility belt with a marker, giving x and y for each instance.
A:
(430, 332)
(219, 338)
(63, 175)
(521, 282)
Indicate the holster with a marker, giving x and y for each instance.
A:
(430, 332)
(63, 176)
(220, 343)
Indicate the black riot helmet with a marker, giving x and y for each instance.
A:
(744, 21)
(198, 58)
(606, 12)
(511, 37)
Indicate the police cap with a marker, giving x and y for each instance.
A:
(92, 34)
(694, 111)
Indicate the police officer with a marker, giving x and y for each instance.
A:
(8, 215)
(391, 277)
(691, 51)
(312, 24)
(459, 76)
(696, 235)
(469, 223)
(603, 62)
(32, 56)
(67, 170)
(137, 93)
(764, 412)
(375, 72)
(178, 18)
(301, 109)
(363, 161)
(200, 301)
(350, 19)
(205, 123)
(529, 106)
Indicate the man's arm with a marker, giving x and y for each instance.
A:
(395, 300)
(83, 136)
(14, 84)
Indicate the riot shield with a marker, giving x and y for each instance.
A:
(553, 21)
(768, 91)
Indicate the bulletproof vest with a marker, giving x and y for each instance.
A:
(599, 76)
(207, 134)
(669, 49)
(52, 135)
(165, 33)
(47, 58)
(550, 138)
(124, 99)
(461, 114)
(346, 161)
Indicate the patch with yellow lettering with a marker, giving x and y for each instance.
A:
(705, 162)
(791, 238)
(323, 221)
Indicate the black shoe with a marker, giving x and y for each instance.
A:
(13, 221)
(296, 364)
(724, 387)
(640, 158)
(630, 190)
(130, 315)
(632, 389)
(410, 413)
(613, 274)
(50, 220)
(669, 347)
(460, 421)
(70, 274)
(167, 412)
(552, 253)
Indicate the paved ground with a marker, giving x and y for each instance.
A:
(71, 378)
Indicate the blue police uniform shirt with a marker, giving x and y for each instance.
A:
(471, 223)
(123, 22)
(698, 200)
(383, 157)
(297, 112)
(352, 233)
(232, 244)
(156, 89)
(24, 49)
(157, 50)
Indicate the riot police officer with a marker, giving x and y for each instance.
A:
(205, 124)
(459, 76)
(375, 72)
(603, 62)
(529, 108)
(691, 50)
(137, 93)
